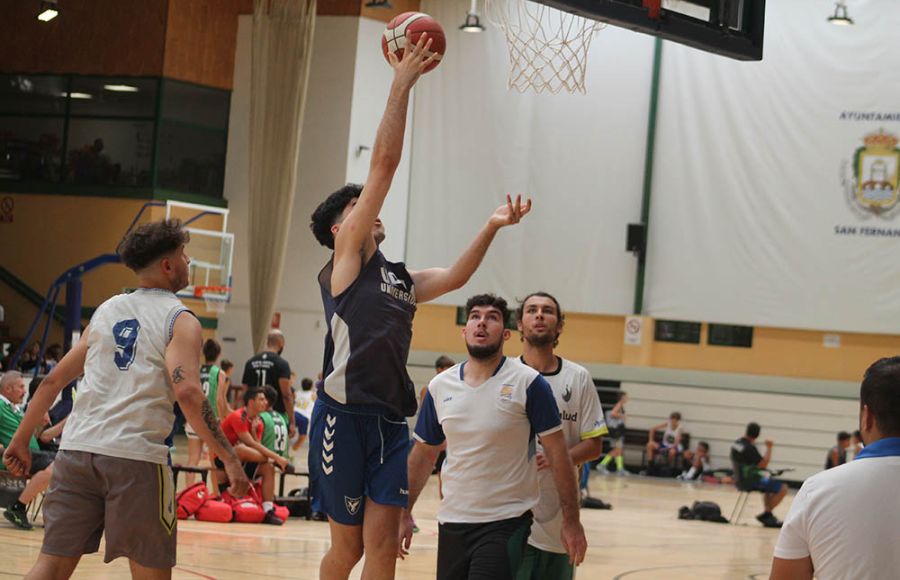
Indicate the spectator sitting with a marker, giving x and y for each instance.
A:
(699, 461)
(749, 466)
(30, 357)
(671, 439)
(837, 455)
(12, 392)
(275, 432)
(237, 429)
(51, 358)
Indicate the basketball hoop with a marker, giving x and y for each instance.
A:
(215, 297)
(548, 48)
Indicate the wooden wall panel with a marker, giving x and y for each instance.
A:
(101, 37)
(200, 41)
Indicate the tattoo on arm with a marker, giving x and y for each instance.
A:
(212, 423)
(177, 375)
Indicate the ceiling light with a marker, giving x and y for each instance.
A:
(49, 11)
(840, 17)
(121, 88)
(473, 22)
(77, 95)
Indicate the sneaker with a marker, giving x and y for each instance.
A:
(272, 519)
(622, 472)
(18, 517)
(768, 520)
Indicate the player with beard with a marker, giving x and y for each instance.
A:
(488, 410)
(540, 321)
(359, 439)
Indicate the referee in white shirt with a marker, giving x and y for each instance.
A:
(489, 409)
(845, 522)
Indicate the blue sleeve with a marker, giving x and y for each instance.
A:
(428, 429)
(540, 406)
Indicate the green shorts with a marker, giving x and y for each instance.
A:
(540, 565)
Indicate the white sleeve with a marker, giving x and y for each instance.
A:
(793, 541)
(592, 423)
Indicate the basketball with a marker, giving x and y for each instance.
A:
(414, 24)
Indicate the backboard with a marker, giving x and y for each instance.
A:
(211, 250)
(732, 28)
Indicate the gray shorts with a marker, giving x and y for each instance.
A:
(132, 501)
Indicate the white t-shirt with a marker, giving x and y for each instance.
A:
(672, 434)
(124, 406)
(489, 474)
(304, 402)
(582, 418)
(848, 520)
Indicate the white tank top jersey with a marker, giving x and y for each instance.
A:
(490, 473)
(670, 435)
(582, 418)
(124, 406)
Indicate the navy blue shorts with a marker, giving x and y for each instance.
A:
(302, 423)
(353, 457)
(767, 485)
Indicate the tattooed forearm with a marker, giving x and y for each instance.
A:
(177, 375)
(209, 419)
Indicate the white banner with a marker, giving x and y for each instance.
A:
(579, 157)
(775, 197)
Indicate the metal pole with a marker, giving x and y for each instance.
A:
(73, 311)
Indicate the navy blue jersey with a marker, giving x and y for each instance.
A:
(369, 331)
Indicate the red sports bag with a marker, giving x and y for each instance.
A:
(215, 511)
(191, 499)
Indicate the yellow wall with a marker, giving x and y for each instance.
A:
(51, 233)
(599, 339)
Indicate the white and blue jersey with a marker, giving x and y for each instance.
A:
(367, 344)
(490, 432)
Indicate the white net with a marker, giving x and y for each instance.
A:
(548, 48)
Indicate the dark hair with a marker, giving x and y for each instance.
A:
(54, 351)
(675, 415)
(704, 445)
(443, 362)
(306, 384)
(520, 309)
(752, 430)
(271, 395)
(149, 242)
(843, 436)
(211, 350)
(621, 396)
(251, 394)
(488, 300)
(857, 434)
(880, 392)
(328, 211)
(226, 364)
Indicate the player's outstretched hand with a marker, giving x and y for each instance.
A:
(406, 533)
(17, 459)
(510, 213)
(416, 58)
(574, 541)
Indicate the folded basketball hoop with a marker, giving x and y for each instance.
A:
(548, 48)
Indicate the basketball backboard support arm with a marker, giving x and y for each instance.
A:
(734, 29)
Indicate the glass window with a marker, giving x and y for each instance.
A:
(116, 97)
(196, 105)
(30, 148)
(109, 152)
(33, 94)
(191, 159)
(677, 331)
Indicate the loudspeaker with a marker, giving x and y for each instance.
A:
(637, 239)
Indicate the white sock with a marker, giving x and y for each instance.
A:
(691, 473)
(268, 506)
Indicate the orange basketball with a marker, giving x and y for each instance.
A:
(414, 24)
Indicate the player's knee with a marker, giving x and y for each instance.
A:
(347, 553)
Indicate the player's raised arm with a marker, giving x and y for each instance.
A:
(353, 240)
(435, 282)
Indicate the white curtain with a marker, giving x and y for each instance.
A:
(754, 213)
(282, 51)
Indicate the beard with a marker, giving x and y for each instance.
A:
(541, 340)
(486, 351)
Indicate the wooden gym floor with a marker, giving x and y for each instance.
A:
(641, 538)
